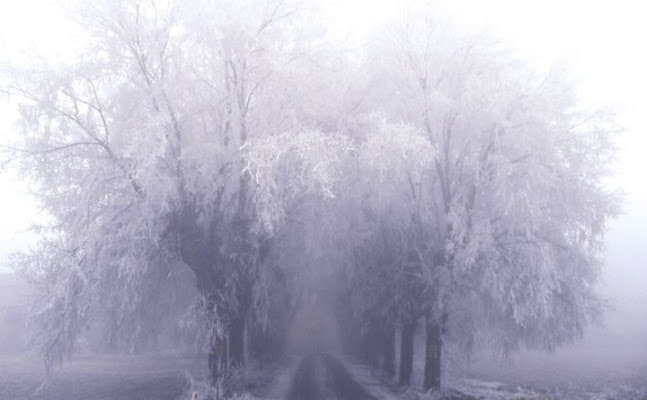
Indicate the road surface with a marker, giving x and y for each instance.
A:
(322, 376)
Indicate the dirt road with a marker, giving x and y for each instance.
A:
(322, 376)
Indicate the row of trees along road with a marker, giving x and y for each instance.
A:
(232, 145)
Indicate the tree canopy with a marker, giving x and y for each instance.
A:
(222, 165)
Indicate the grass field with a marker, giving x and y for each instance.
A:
(99, 378)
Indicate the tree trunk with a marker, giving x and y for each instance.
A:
(388, 362)
(406, 352)
(217, 361)
(237, 341)
(432, 354)
(372, 343)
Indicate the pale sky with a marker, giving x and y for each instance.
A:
(603, 41)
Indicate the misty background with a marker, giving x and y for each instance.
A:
(601, 42)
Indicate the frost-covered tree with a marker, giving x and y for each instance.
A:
(391, 164)
(515, 188)
(226, 144)
(147, 156)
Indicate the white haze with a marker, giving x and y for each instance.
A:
(601, 41)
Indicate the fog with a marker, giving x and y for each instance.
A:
(245, 202)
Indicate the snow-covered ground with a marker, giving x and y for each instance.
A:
(530, 377)
(98, 378)
(605, 374)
